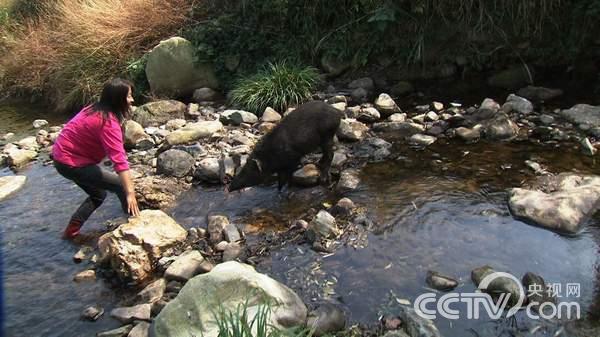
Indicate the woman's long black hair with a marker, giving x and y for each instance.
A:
(114, 99)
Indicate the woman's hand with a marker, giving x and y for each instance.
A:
(132, 206)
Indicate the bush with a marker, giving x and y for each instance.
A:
(67, 56)
(278, 85)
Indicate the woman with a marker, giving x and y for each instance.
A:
(95, 133)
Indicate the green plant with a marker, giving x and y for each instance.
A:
(278, 85)
(136, 72)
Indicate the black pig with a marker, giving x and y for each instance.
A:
(311, 125)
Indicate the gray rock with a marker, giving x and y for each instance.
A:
(227, 285)
(38, 123)
(232, 251)
(562, 206)
(500, 284)
(490, 104)
(539, 94)
(386, 105)
(270, 116)
(583, 114)
(216, 226)
(373, 149)
(417, 326)
(422, 140)
(308, 175)
(518, 104)
(134, 133)
(349, 180)
(158, 113)
(324, 225)
(175, 163)
(369, 115)
(404, 129)
(10, 184)
(237, 117)
(152, 292)
(120, 332)
(501, 127)
(208, 170)
(546, 119)
(140, 330)
(172, 70)
(204, 94)
(364, 83)
(397, 117)
(468, 135)
(129, 314)
(92, 313)
(352, 130)
(339, 159)
(187, 265)
(326, 319)
(440, 282)
(231, 233)
(193, 132)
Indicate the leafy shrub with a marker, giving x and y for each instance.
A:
(278, 85)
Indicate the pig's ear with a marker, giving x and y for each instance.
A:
(258, 164)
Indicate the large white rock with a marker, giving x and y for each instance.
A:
(386, 105)
(10, 184)
(134, 247)
(229, 284)
(18, 157)
(561, 207)
(172, 71)
(193, 131)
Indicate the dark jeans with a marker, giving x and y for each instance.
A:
(95, 181)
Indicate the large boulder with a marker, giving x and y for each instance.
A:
(159, 112)
(583, 114)
(561, 204)
(134, 247)
(176, 163)
(220, 292)
(10, 184)
(173, 72)
(193, 132)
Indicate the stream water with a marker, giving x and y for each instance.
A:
(443, 209)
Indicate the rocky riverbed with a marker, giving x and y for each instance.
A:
(432, 177)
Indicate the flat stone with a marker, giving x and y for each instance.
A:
(185, 267)
(86, 275)
(129, 314)
(324, 225)
(152, 292)
(120, 332)
(10, 184)
(92, 313)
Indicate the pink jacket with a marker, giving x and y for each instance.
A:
(87, 139)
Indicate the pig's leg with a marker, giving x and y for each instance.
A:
(325, 162)
(283, 178)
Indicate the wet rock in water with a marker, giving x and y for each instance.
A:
(140, 330)
(134, 247)
(92, 313)
(175, 124)
(237, 117)
(422, 140)
(386, 105)
(352, 130)
(158, 113)
(415, 325)
(204, 95)
(373, 149)
(129, 314)
(208, 170)
(518, 104)
(397, 117)
(501, 128)
(537, 293)
(152, 292)
(440, 282)
(499, 285)
(82, 254)
(539, 94)
(85, 276)
(120, 332)
(343, 207)
(307, 175)
(327, 318)
(400, 129)
(193, 132)
(227, 285)
(546, 119)
(187, 265)
(216, 226)
(587, 147)
(176, 163)
(38, 123)
(368, 115)
(582, 114)
(324, 225)
(20, 157)
(10, 184)
(270, 116)
(349, 180)
(468, 135)
(561, 206)
(232, 251)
